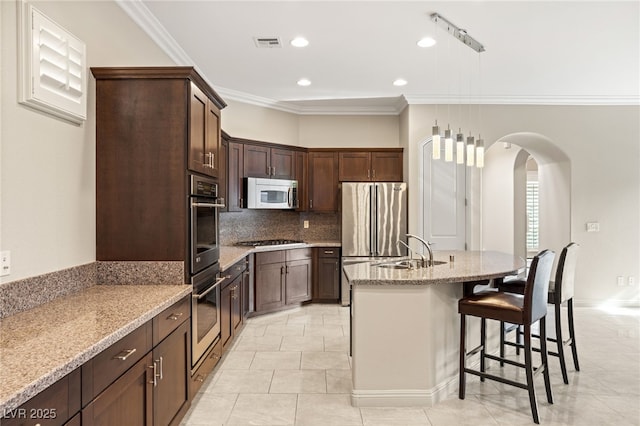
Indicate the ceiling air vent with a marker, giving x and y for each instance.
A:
(267, 42)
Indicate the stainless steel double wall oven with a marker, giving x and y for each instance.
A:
(204, 236)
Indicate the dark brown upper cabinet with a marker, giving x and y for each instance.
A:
(369, 166)
(264, 162)
(323, 181)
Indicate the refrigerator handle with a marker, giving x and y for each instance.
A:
(377, 212)
(371, 227)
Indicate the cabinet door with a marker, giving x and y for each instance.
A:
(225, 316)
(257, 161)
(246, 299)
(236, 304)
(301, 175)
(269, 286)
(235, 173)
(173, 363)
(198, 113)
(298, 281)
(212, 140)
(354, 167)
(386, 166)
(323, 181)
(223, 186)
(282, 164)
(328, 279)
(128, 401)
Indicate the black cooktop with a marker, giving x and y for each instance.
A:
(276, 242)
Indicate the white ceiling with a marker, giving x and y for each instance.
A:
(537, 52)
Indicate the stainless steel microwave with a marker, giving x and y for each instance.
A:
(270, 193)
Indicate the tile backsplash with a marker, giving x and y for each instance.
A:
(271, 224)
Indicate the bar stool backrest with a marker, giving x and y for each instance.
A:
(537, 287)
(565, 274)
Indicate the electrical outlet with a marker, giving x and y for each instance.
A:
(593, 227)
(305, 224)
(5, 263)
(620, 280)
(632, 281)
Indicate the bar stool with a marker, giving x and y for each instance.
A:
(560, 291)
(523, 310)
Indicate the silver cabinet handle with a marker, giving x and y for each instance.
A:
(155, 374)
(274, 171)
(328, 252)
(174, 317)
(310, 203)
(161, 369)
(122, 356)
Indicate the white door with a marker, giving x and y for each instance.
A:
(443, 201)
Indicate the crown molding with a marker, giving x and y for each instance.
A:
(143, 17)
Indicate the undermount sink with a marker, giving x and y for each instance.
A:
(407, 264)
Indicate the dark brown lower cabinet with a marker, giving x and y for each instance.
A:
(230, 317)
(127, 401)
(173, 365)
(55, 406)
(326, 280)
(282, 278)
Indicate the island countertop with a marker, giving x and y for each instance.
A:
(43, 344)
(466, 266)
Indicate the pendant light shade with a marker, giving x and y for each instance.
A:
(459, 148)
(448, 145)
(479, 153)
(470, 150)
(435, 137)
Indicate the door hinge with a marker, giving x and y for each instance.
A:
(465, 202)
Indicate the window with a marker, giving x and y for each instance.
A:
(53, 71)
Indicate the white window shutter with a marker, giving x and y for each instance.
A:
(53, 67)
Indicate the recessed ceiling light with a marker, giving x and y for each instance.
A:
(304, 82)
(400, 82)
(299, 42)
(426, 42)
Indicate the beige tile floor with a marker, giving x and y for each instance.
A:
(293, 368)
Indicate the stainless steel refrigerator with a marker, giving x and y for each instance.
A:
(374, 218)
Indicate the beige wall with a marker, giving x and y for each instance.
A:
(247, 121)
(48, 166)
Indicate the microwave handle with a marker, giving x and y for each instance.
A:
(289, 201)
(207, 205)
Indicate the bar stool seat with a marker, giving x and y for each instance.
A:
(560, 291)
(524, 310)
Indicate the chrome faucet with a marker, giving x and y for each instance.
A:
(410, 251)
(426, 244)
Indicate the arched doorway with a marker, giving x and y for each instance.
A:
(504, 218)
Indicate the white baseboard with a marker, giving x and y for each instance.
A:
(404, 397)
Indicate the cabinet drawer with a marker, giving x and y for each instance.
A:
(170, 319)
(329, 252)
(103, 369)
(210, 361)
(263, 258)
(51, 407)
(232, 272)
(299, 254)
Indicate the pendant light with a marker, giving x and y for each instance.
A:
(460, 148)
(448, 145)
(435, 137)
(471, 148)
(479, 153)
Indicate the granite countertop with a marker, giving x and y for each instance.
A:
(41, 345)
(232, 254)
(467, 266)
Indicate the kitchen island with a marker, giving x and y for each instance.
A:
(405, 325)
